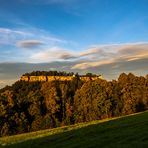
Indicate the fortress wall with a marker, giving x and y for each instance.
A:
(65, 78)
(42, 78)
(24, 78)
(37, 78)
(53, 78)
(60, 78)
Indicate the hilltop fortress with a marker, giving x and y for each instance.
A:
(59, 78)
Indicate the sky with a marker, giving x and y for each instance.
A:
(105, 37)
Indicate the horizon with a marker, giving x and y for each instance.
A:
(104, 37)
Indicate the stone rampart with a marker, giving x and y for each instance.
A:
(59, 78)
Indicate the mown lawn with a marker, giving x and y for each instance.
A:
(125, 132)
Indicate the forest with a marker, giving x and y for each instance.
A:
(32, 106)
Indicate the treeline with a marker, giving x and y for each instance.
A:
(49, 73)
(55, 73)
(26, 106)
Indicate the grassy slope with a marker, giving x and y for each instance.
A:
(130, 131)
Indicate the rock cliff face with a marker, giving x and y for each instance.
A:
(54, 78)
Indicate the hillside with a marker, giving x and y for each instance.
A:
(32, 106)
(126, 132)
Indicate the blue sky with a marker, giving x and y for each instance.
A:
(87, 33)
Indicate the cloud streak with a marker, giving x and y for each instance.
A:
(27, 37)
(52, 54)
(29, 43)
(10, 36)
(121, 52)
(92, 64)
(10, 31)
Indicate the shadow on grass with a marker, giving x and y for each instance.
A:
(125, 132)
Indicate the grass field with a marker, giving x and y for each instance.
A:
(125, 132)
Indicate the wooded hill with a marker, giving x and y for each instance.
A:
(32, 106)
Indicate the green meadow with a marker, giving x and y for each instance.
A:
(124, 132)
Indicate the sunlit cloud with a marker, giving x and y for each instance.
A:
(89, 52)
(122, 52)
(92, 64)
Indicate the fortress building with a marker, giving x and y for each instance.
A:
(59, 78)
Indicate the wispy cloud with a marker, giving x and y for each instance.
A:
(95, 57)
(120, 52)
(90, 51)
(27, 37)
(36, 41)
(86, 65)
(51, 54)
(8, 31)
(29, 43)
(10, 36)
